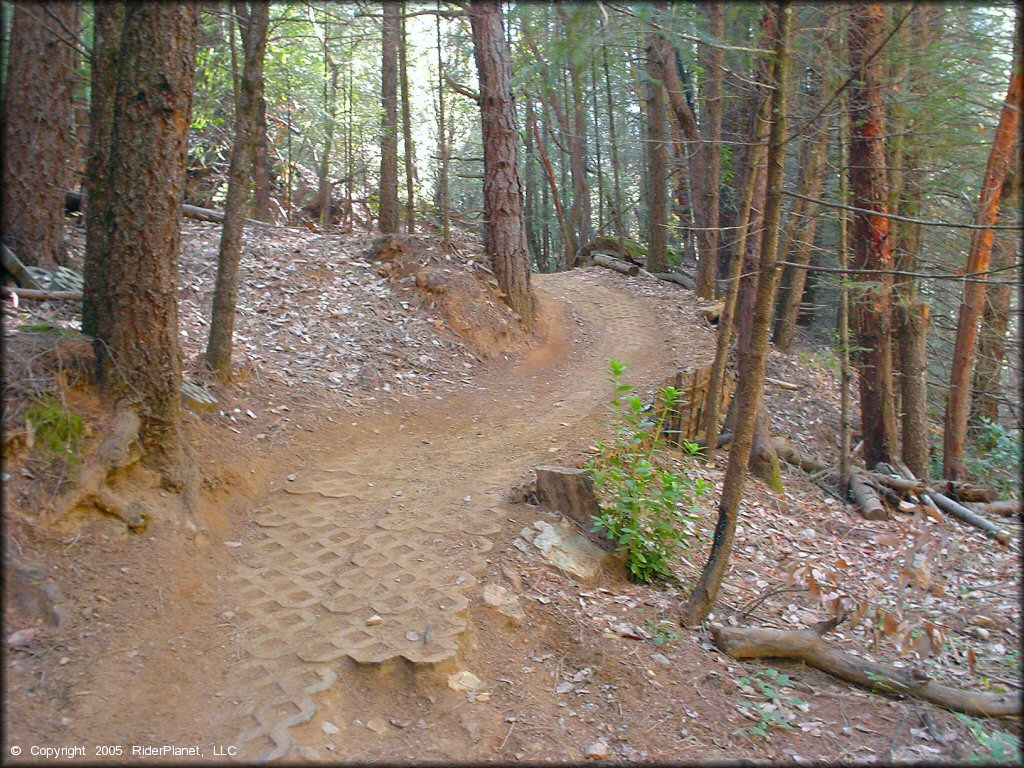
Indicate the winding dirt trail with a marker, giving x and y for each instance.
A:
(349, 596)
(394, 524)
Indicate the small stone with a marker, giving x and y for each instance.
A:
(982, 633)
(232, 544)
(22, 636)
(464, 681)
(597, 751)
(377, 725)
(660, 658)
(291, 478)
(329, 728)
(400, 723)
(308, 753)
(228, 615)
(412, 636)
(374, 620)
(64, 660)
(982, 621)
(505, 603)
(65, 721)
(564, 688)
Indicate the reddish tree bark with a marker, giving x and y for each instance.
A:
(137, 323)
(37, 134)
(872, 300)
(657, 156)
(958, 401)
(504, 228)
(708, 193)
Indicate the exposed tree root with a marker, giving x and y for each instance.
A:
(119, 450)
(807, 645)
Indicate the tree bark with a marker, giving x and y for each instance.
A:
(387, 220)
(872, 303)
(657, 158)
(616, 206)
(442, 143)
(137, 323)
(410, 165)
(959, 393)
(995, 319)
(108, 19)
(803, 219)
(752, 365)
(708, 192)
(504, 230)
(253, 21)
(37, 136)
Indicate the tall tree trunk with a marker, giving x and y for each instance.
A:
(708, 191)
(410, 165)
(616, 213)
(253, 20)
(958, 401)
(803, 220)
(530, 186)
(108, 19)
(995, 320)
(137, 323)
(910, 312)
(504, 232)
(442, 144)
(657, 156)
(387, 220)
(37, 135)
(261, 170)
(752, 365)
(872, 306)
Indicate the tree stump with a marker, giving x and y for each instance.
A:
(570, 491)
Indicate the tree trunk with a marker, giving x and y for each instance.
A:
(579, 214)
(108, 19)
(442, 144)
(708, 192)
(137, 323)
(959, 393)
(803, 219)
(410, 165)
(253, 20)
(995, 320)
(616, 212)
(872, 303)
(387, 220)
(504, 232)
(657, 158)
(752, 365)
(37, 137)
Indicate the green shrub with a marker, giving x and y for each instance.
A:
(647, 507)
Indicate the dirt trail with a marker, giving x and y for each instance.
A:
(394, 521)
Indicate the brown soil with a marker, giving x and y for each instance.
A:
(258, 635)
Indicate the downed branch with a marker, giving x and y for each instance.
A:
(40, 295)
(807, 645)
(900, 484)
(1008, 508)
(678, 278)
(610, 262)
(967, 492)
(961, 512)
(791, 455)
(72, 199)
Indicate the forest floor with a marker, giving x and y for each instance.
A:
(358, 505)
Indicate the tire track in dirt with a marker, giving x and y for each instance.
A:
(371, 554)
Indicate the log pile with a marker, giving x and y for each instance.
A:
(880, 492)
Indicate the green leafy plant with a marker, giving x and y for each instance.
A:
(995, 457)
(56, 429)
(648, 506)
(771, 710)
(661, 631)
(999, 746)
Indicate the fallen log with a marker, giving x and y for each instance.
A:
(712, 312)
(678, 278)
(925, 499)
(1007, 508)
(610, 262)
(870, 506)
(39, 295)
(789, 386)
(791, 455)
(807, 645)
(900, 484)
(961, 512)
(967, 492)
(73, 198)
